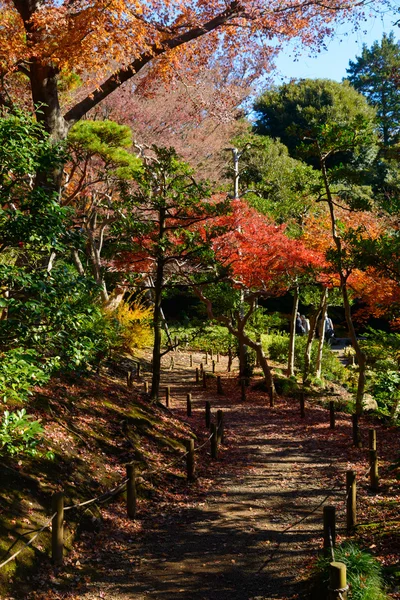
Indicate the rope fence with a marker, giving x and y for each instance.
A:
(56, 521)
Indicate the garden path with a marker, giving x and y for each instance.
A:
(254, 532)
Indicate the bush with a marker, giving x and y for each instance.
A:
(277, 347)
(19, 433)
(364, 573)
(207, 337)
(134, 321)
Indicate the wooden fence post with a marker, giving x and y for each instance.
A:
(212, 354)
(131, 491)
(57, 528)
(351, 500)
(332, 414)
(373, 474)
(190, 469)
(208, 414)
(167, 396)
(218, 359)
(172, 363)
(243, 387)
(138, 370)
(214, 441)
(337, 581)
(229, 360)
(197, 375)
(189, 405)
(373, 461)
(146, 387)
(329, 527)
(302, 405)
(201, 369)
(356, 432)
(220, 426)
(220, 391)
(176, 343)
(372, 439)
(204, 380)
(206, 360)
(271, 396)
(129, 378)
(190, 360)
(213, 366)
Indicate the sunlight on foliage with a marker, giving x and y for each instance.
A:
(134, 319)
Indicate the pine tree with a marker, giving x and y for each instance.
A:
(373, 74)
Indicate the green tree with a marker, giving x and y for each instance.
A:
(300, 111)
(164, 206)
(373, 74)
(331, 126)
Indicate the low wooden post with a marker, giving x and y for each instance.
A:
(213, 366)
(373, 473)
(372, 439)
(206, 360)
(204, 380)
(131, 491)
(176, 343)
(172, 363)
(329, 527)
(337, 581)
(229, 360)
(138, 370)
(271, 396)
(302, 405)
(220, 391)
(208, 414)
(189, 405)
(129, 378)
(167, 396)
(146, 387)
(332, 414)
(201, 369)
(197, 375)
(57, 528)
(218, 358)
(243, 388)
(212, 354)
(220, 426)
(214, 442)
(190, 360)
(190, 469)
(351, 500)
(356, 432)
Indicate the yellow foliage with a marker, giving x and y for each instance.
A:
(134, 319)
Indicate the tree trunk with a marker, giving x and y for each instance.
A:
(324, 307)
(157, 324)
(360, 355)
(310, 339)
(292, 337)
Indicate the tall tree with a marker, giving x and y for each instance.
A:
(165, 206)
(111, 42)
(373, 74)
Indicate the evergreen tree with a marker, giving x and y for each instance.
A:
(373, 74)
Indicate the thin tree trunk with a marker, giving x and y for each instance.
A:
(292, 337)
(157, 324)
(318, 363)
(310, 339)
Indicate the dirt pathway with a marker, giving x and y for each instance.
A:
(246, 539)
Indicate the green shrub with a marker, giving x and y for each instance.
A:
(20, 371)
(364, 573)
(19, 433)
(277, 347)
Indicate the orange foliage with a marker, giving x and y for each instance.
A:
(102, 35)
(258, 253)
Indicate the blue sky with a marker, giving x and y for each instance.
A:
(344, 46)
